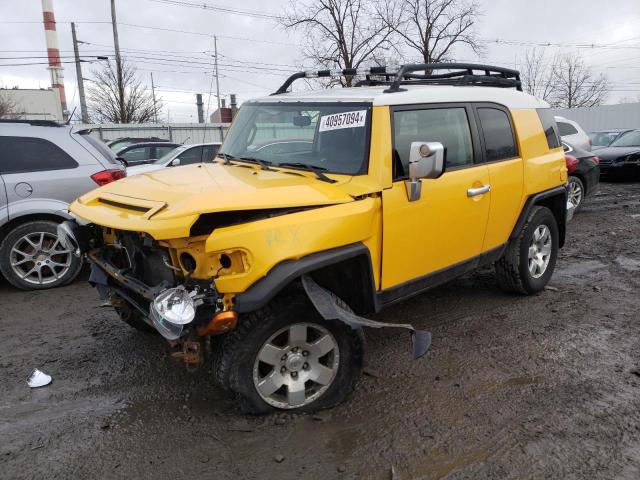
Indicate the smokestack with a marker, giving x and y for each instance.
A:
(55, 67)
(234, 105)
(200, 106)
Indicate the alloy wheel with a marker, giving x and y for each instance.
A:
(296, 365)
(540, 251)
(575, 193)
(39, 258)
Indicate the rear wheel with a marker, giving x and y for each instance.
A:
(287, 357)
(575, 192)
(529, 260)
(32, 257)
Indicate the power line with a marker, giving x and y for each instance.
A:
(206, 6)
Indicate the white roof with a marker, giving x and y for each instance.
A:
(415, 94)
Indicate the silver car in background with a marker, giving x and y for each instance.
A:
(573, 134)
(43, 167)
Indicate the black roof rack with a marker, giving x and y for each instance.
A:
(35, 123)
(458, 74)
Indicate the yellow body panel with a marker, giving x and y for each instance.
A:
(444, 227)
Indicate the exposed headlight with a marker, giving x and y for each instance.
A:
(633, 158)
(171, 310)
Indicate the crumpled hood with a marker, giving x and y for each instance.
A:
(177, 196)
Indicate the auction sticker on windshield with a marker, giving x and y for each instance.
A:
(343, 120)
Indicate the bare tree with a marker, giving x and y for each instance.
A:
(105, 105)
(8, 107)
(575, 85)
(434, 27)
(339, 33)
(536, 73)
(563, 80)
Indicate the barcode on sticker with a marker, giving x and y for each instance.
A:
(343, 120)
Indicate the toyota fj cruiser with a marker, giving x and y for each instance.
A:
(352, 199)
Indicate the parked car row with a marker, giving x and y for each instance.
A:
(44, 166)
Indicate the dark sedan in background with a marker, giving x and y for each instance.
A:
(584, 174)
(142, 153)
(621, 159)
(604, 138)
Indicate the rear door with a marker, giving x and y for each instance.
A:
(506, 171)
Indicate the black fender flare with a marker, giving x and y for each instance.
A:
(558, 194)
(262, 291)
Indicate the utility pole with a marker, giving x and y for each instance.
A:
(215, 52)
(116, 44)
(83, 102)
(153, 94)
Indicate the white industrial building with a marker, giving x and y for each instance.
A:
(604, 117)
(34, 104)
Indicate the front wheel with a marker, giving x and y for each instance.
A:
(529, 260)
(33, 258)
(287, 357)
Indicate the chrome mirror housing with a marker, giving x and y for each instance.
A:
(426, 160)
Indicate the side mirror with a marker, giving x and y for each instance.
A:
(426, 160)
(175, 162)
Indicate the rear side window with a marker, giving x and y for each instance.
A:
(499, 143)
(163, 150)
(101, 147)
(566, 129)
(137, 154)
(27, 154)
(550, 128)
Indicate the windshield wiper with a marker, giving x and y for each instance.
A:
(264, 164)
(309, 168)
(226, 157)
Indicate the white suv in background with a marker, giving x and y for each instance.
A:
(44, 166)
(573, 134)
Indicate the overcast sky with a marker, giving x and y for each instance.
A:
(250, 47)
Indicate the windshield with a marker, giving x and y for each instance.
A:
(331, 136)
(629, 139)
(169, 155)
(602, 139)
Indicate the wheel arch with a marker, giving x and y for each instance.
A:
(30, 217)
(555, 200)
(345, 271)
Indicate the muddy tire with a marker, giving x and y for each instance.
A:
(132, 317)
(287, 357)
(529, 260)
(32, 258)
(575, 192)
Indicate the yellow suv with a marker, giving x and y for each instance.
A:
(325, 206)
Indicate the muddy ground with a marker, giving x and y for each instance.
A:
(513, 387)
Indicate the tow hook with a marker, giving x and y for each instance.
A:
(190, 352)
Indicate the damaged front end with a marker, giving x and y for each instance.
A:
(136, 275)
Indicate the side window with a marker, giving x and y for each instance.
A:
(499, 143)
(210, 151)
(193, 155)
(566, 129)
(550, 128)
(449, 126)
(163, 150)
(26, 154)
(138, 154)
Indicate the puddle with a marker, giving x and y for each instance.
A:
(579, 269)
(628, 263)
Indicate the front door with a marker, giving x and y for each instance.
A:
(443, 230)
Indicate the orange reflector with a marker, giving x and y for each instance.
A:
(220, 323)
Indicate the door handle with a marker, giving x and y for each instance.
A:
(474, 192)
